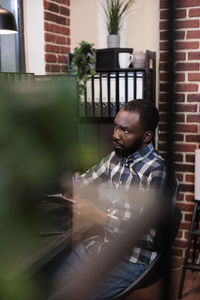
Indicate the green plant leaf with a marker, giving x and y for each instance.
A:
(114, 12)
(82, 63)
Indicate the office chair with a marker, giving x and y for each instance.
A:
(154, 272)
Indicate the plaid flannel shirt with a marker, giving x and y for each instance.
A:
(144, 169)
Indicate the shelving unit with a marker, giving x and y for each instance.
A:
(109, 89)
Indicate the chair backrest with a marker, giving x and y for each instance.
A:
(154, 272)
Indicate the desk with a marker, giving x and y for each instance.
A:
(47, 247)
(41, 251)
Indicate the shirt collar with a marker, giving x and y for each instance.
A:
(141, 153)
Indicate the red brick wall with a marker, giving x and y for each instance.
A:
(187, 99)
(57, 35)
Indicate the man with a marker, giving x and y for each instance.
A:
(134, 163)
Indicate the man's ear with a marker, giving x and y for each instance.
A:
(148, 135)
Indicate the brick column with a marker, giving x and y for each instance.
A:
(187, 99)
(57, 35)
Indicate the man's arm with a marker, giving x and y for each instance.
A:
(97, 173)
(85, 210)
(86, 193)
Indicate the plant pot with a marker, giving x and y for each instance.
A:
(113, 41)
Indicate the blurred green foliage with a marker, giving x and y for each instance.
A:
(38, 139)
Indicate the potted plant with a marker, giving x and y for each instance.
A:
(83, 64)
(115, 10)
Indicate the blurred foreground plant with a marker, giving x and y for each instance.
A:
(37, 138)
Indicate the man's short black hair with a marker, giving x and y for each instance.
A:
(149, 116)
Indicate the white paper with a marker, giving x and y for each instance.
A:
(197, 175)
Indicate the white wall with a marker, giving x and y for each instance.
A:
(83, 22)
(143, 25)
(34, 36)
(140, 30)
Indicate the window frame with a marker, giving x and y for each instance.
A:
(20, 42)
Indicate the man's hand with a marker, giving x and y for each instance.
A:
(85, 210)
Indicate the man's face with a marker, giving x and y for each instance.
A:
(128, 135)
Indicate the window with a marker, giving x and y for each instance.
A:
(11, 45)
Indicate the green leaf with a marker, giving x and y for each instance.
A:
(114, 12)
(82, 63)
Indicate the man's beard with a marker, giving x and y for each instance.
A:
(125, 152)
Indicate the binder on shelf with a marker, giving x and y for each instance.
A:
(82, 107)
(139, 86)
(97, 108)
(104, 96)
(122, 87)
(111, 87)
(89, 109)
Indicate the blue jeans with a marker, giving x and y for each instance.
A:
(122, 275)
